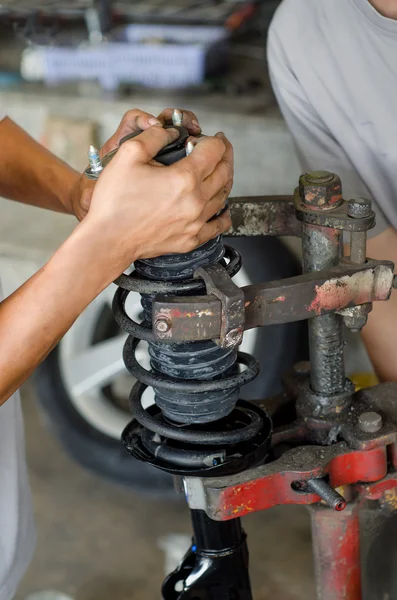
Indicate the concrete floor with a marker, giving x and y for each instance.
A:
(97, 541)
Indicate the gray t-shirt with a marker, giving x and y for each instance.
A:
(17, 532)
(333, 66)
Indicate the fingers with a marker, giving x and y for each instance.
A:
(222, 176)
(214, 228)
(204, 158)
(217, 203)
(133, 120)
(144, 147)
(189, 119)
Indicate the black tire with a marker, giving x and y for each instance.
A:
(278, 348)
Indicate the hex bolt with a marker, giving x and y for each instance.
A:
(162, 325)
(95, 161)
(320, 190)
(370, 422)
(177, 118)
(359, 208)
(356, 318)
(330, 496)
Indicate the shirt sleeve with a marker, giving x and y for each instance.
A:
(316, 147)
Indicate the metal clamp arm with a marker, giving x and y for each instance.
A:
(294, 299)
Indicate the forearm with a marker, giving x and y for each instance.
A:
(37, 315)
(380, 340)
(31, 174)
(382, 322)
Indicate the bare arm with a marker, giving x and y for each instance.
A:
(38, 314)
(139, 209)
(31, 174)
(379, 334)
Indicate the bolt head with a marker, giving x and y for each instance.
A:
(320, 189)
(370, 422)
(162, 325)
(233, 338)
(355, 323)
(359, 208)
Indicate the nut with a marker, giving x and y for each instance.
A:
(356, 317)
(359, 208)
(320, 189)
(162, 325)
(370, 422)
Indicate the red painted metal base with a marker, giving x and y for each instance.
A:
(336, 548)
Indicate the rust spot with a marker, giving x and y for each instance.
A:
(336, 198)
(341, 292)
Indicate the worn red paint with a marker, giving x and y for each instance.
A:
(349, 290)
(331, 295)
(276, 488)
(377, 490)
(336, 545)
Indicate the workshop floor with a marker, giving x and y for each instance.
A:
(97, 541)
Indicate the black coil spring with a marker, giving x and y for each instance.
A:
(197, 420)
(193, 381)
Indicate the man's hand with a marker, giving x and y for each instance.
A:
(133, 120)
(143, 209)
(139, 209)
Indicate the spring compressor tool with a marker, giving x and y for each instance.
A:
(319, 443)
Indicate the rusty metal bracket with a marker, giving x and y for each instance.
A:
(294, 299)
(220, 284)
(335, 217)
(263, 215)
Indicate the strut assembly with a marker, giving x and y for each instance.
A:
(319, 443)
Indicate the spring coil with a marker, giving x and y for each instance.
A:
(194, 382)
(197, 424)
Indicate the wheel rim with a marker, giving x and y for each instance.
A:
(89, 369)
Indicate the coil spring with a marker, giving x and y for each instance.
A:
(194, 382)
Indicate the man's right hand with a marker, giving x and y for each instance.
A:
(144, 209)
(139, 209)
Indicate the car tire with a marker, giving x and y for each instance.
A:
(277, 347)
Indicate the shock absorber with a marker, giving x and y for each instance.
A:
(197, 427)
